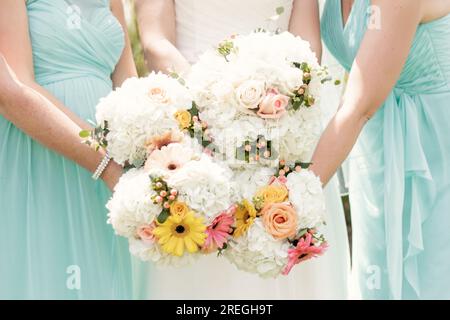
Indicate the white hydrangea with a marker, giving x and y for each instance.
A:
(152, 252)
(131, 205)
(204, 185)
(300, 133)
(140, 109)
(306, 195)
(248, 181)
(258, 252)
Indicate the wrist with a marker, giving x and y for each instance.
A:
(112, 174)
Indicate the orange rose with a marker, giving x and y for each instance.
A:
(159, 95)
(280, 220)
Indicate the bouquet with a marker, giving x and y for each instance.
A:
(250, 102)
(140, 116)
(175, 201)
(175, 208)
(279, 227)
(257, 96)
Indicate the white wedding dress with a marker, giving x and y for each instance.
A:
(200, 25)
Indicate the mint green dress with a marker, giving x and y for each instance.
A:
(54, 239)
(400, 168)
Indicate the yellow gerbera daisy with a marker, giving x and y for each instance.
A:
(245, 216)
(180, 232)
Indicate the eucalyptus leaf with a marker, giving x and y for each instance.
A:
(280, 10)
(85, 134)
(174, 75)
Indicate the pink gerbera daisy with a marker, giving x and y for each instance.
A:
(304, 250)
(159, 141)
(219, 231)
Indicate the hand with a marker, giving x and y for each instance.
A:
(112, 174)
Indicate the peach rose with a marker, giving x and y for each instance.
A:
(273, 105)
(158, 95)
(145, 232)
(280, 220)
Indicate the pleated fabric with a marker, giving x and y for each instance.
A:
(400, 167)
(54, 239)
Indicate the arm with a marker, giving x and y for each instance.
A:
(43, 122)
(305, 22)
(125, 67)
(377, 67)
(15, 46)
(157, 29)
(29, 106)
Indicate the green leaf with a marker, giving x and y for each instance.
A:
(104, 143)
(174, 75)
(194, 109)
(325, 79)
(310, 101)
(305, 67)
(85, 134)
(98, 131)
(279, 10)
(163, 216)
(303, 165)
(302, 233)
(297, 103)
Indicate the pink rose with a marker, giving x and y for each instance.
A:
(273, 105)
(281, 180)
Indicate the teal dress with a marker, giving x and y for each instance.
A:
(400, 168)
(54, 239)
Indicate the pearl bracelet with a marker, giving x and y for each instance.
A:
(101, 167)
